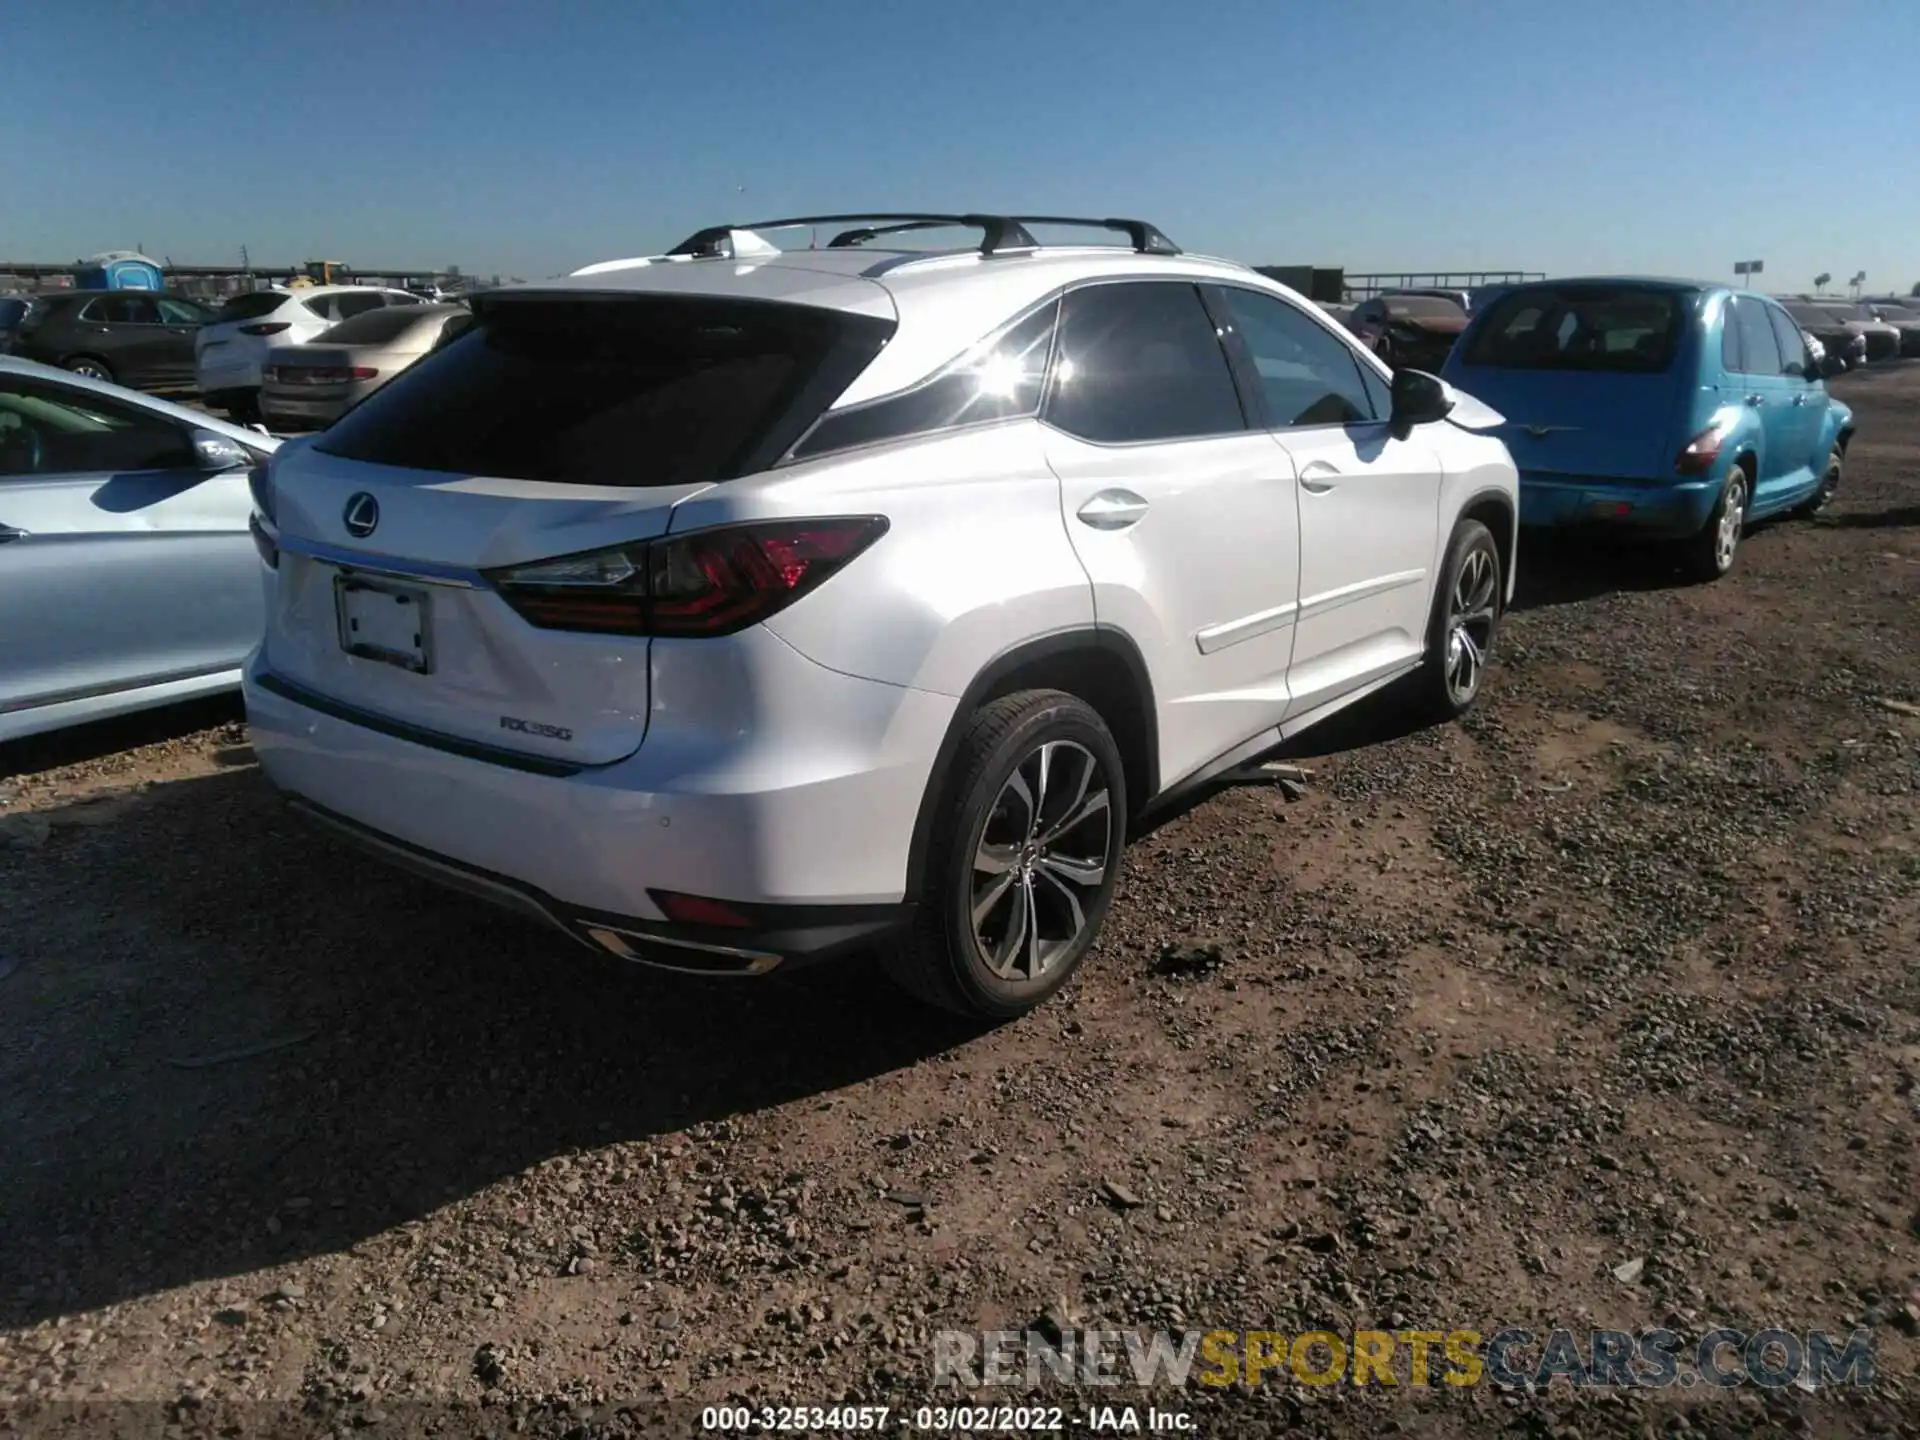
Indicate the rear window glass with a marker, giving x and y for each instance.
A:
(629, 392)
(251, 306)
(1421, 307)
(1601, 328)
(375, 327)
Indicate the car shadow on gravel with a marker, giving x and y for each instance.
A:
(77, 744)
(1897, 518)
(230, 1043)
(1569, 569)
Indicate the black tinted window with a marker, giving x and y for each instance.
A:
(1307, 376)
(998, 379)
(632, 392)
(252, 305)
(1759, 351)
(1580, 327)
(11, 309)
(1793, 346)
(1730, 357)
(1141, 362)
(51, 430)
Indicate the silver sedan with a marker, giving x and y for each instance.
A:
(128, 577)
(312, 385)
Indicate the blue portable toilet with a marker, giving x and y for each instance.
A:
(119, 270)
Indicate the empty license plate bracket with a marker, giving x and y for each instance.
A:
(389, 623)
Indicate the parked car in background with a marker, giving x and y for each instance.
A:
(1337, 310)
(1882, 340)
(13, 309)
(1668, 409)
(132, 337)
(1462, 298)
(312, 385)
(229, 351)
(1842, 341)
(127, 572)
(1414, 331)
(1904, 318)
(773, 553)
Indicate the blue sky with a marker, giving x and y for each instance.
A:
(1615, 135)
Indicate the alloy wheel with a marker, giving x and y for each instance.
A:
(1471, 613)
(1041, 861)
(1733, 514)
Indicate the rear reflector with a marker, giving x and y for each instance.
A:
(710, 582)
(698, 910)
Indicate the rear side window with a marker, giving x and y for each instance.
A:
(1580, 327)
(1140, 361)
(1000, 378)
(11, 312)
(1759, 351)
(1793, 346)
(251, 306)
(614, 391)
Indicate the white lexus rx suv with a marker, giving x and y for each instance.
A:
(742, 606)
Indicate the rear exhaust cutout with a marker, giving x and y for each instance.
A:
(690, 958)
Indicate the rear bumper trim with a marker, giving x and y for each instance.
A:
(413, 734)
(426, 571)
(793, 934)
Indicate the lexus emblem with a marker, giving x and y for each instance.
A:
(362, 515)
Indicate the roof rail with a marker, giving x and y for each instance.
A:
(998, 232)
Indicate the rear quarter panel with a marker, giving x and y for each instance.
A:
(975, 558)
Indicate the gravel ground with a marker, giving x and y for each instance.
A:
(1601, 1008)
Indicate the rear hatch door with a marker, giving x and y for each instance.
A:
(1592, 377)
(558, 425)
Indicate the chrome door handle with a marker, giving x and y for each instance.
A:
(1799, 399)
(1112, 510)
(1756, 399)
(8, 532)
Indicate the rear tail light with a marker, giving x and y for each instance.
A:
(710, 582)
(267, 327)
(1698, 455)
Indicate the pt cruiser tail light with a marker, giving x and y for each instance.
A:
(707, 582)
(1699, 453)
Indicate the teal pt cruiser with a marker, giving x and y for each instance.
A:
(1681, 411)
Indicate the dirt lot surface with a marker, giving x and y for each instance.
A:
(1600, 1009)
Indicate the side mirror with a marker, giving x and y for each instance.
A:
(1418, 399)
(1826, 367)
(216, 453)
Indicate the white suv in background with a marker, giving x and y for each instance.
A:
(737, 607)
(229, 350)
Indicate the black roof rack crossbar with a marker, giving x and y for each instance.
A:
(1147, 239)
(998, 232)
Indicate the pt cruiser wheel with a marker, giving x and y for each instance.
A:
(1024, 861)
(1710, 553)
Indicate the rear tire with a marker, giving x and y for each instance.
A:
(1024, 861)
(90, 367)
(1710, 554)
(1466, 616)
(1829, 482)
